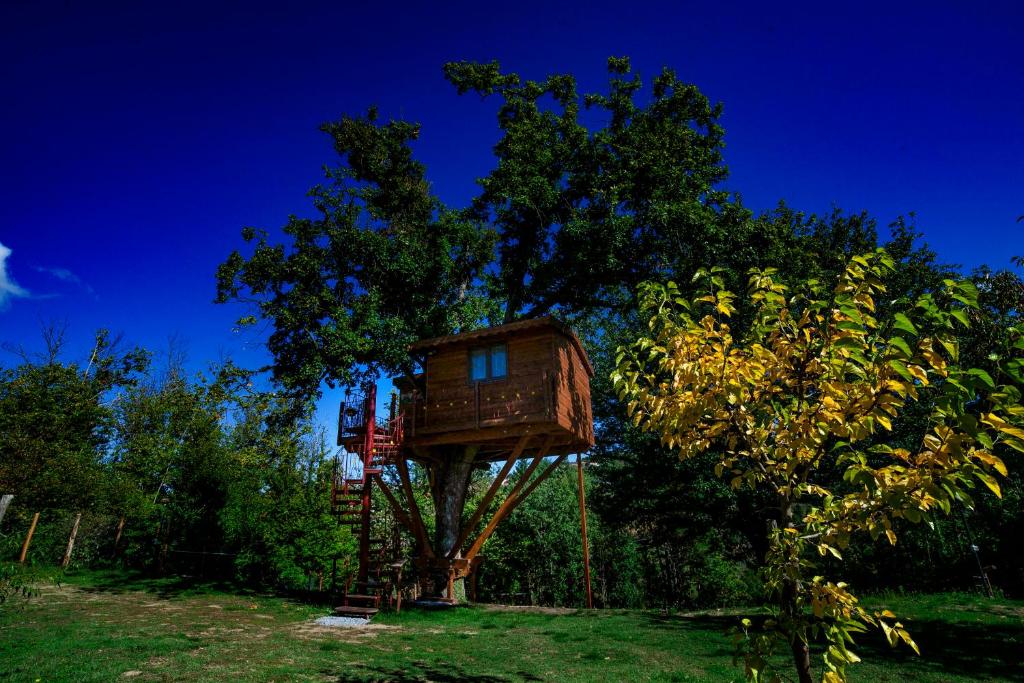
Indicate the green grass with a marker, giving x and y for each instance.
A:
(107, 626)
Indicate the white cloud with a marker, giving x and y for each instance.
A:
(8, 287)
(65, 275)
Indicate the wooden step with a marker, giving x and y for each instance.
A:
(367, 586)
(358, 599)
(353, 611)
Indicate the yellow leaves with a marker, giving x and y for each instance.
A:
(895, 633)
(812, 372)
(918, 373)
(991, 460)
(989, 481)
(825, 548)
(996, 422)
(934, 359)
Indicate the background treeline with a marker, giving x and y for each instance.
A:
(170, 473)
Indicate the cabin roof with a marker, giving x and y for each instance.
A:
(549, 321)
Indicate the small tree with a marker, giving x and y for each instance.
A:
(812, 391)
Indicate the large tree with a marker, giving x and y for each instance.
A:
(570, 219)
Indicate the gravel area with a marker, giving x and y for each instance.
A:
(342, 622)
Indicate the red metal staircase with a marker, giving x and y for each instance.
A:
(371, 443)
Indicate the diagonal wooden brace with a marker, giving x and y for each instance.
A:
(395, 505)
(419, 530)
(512, 500)
(467, 528)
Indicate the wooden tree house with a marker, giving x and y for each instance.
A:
(496, 395)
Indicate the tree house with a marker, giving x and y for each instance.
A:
(491, 387)
(495, 395)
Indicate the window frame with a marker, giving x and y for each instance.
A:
(488, 350)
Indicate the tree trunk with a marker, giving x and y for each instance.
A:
(798, 646)
(451, 483)
(5, 501)
(28, 538)
(790, 609)
(71, 541)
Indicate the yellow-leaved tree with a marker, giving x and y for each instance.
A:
(813, 387)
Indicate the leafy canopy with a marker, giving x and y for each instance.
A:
(573, 217)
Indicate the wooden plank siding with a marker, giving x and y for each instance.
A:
(572, 399)
(546, 391)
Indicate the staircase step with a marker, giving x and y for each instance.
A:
(358, 599)
(352, 611)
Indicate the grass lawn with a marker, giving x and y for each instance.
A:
(107, 626)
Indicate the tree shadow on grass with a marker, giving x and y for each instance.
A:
(714, 628)
(420, 673)
(981, 651)
(184, 585)
(162, 586)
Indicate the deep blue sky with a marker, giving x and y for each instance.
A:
(138, 140)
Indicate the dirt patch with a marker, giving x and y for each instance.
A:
(1000, 610)
(309, 629)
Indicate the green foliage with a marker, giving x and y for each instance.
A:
(280, 518)
(536, 555)
(15, 582)
(56, 422)
(382, 265)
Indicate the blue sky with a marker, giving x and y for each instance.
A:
(139, 138)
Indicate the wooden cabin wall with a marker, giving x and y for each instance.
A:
(572, 392)
(525, 395)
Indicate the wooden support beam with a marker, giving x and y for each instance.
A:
(395, 505)
(467, 528)
(537, 482)
(511, 501)
(583, 531)
(419, 530)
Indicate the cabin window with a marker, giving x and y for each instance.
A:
(486, 363)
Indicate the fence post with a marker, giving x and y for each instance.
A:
(5, 501)
(71, 541)
(117, 536)
(28, 538)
